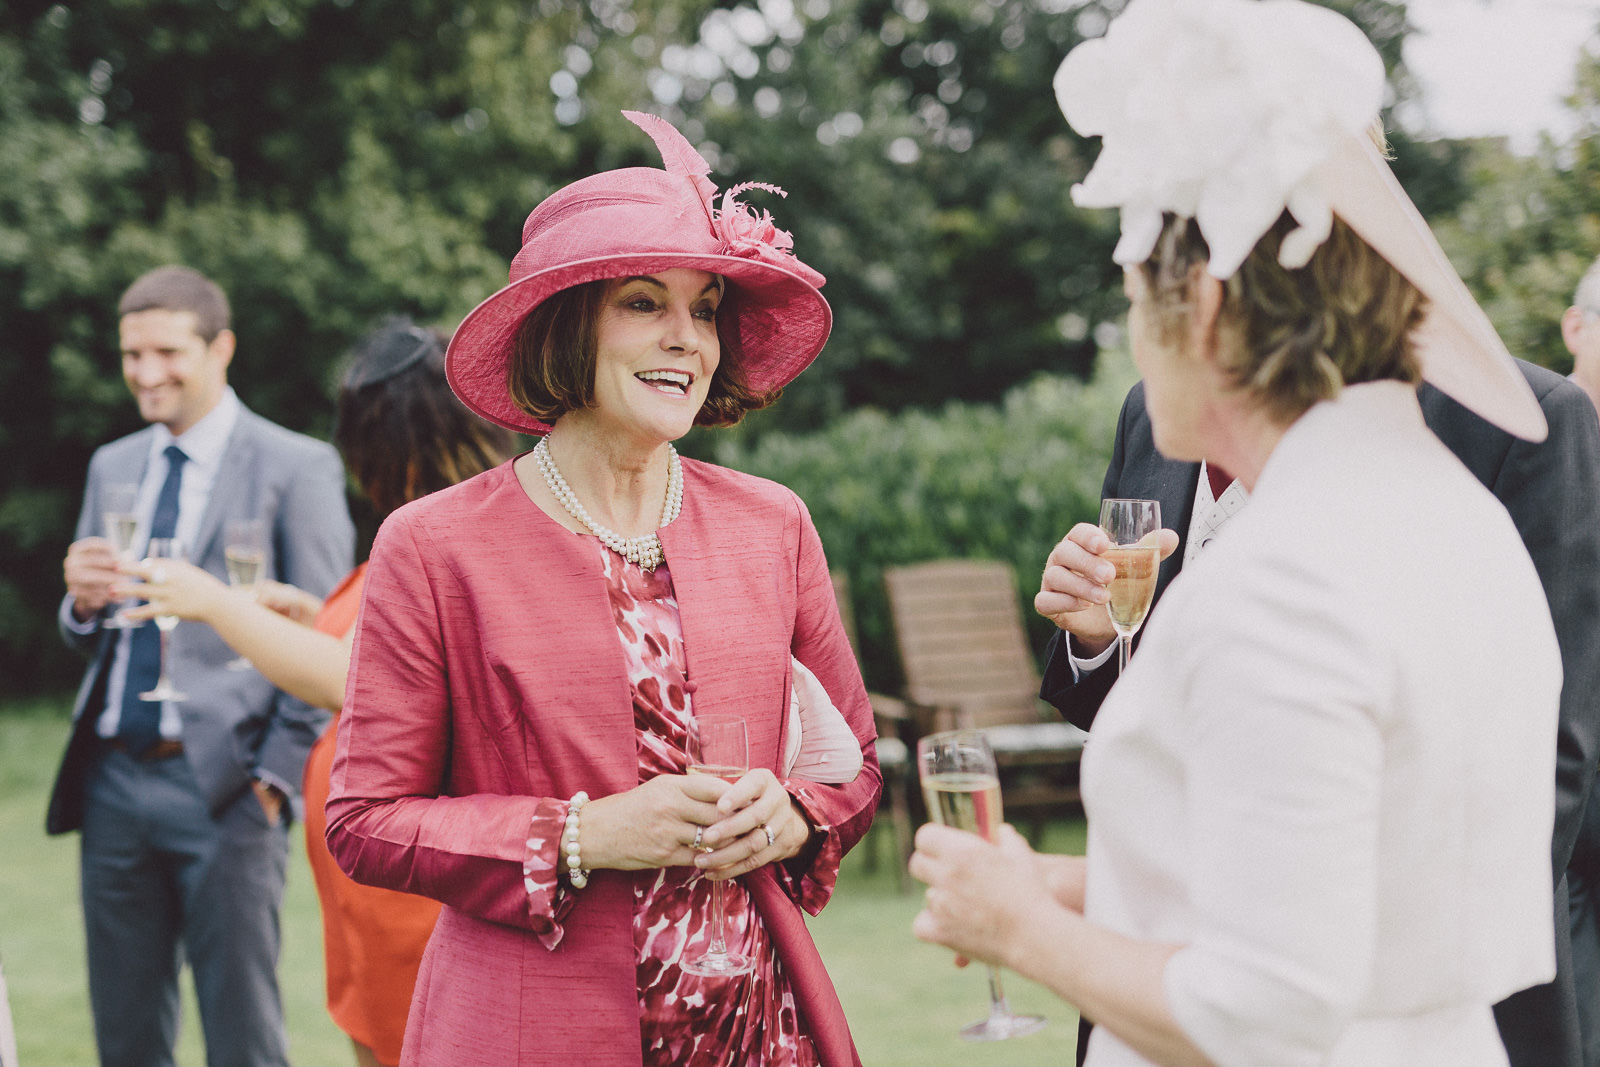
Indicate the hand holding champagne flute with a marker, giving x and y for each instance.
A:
(961, 786)
(720, 748)
(1134, 527)
(164, 548)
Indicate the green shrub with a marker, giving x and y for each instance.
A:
(999, 482)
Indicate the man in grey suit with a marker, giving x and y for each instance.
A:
(1552, 492)
(184, 805)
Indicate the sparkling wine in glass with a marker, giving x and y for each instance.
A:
(245, 552)
(164, 548)
(122, 530)
(961, 786)
(721, 748)
(1134, 527)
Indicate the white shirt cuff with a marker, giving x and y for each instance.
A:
(1081, 666)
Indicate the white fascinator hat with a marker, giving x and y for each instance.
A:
(1229, 112)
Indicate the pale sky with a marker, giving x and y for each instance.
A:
(1497, 67)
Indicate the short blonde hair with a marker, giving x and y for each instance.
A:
(1301, 335)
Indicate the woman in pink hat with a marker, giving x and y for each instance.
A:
(537, 645)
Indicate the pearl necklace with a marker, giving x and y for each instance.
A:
(644, 552)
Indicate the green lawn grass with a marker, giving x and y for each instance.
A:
(905, 999)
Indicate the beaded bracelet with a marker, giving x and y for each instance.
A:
(577, 874)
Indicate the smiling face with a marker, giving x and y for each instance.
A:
(656, 350)
(175, 375)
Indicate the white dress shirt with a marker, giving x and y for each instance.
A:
(1312, 776)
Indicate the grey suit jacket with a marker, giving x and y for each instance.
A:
(236, 725)
(1552, 492)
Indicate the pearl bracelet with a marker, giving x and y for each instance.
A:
(577, 874)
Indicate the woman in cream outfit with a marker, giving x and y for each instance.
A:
(1316, 834)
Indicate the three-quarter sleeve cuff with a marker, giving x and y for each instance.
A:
(1241, 1014)
(548, 900)
(810, 876)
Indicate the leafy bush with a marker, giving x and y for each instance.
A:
(999, 481)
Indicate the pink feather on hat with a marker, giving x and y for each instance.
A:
(677, 153)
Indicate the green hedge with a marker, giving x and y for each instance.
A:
(999, 481)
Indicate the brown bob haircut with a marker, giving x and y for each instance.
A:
(552, 366)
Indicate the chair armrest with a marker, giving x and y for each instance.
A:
(888, 713)
(924, 719)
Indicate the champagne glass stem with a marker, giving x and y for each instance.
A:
(1124, 650)
(999, 1009)
(164, 683)
(719, 942)
(721, 749)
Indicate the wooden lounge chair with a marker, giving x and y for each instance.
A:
(967, 664)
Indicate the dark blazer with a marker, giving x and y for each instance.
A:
(236, 725)
(1552, 492)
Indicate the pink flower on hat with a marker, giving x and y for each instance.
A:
(752, 235)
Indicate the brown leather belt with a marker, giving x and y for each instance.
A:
(163, 749)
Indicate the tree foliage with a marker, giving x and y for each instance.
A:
(328, 161)
(1530, 228)
(998, 481)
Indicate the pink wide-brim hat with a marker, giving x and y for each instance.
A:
(772, 321)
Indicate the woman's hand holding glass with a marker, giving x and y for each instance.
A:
(984, 899)
(164, 552)
(174, 587)
(961, 784)
(292, 602)
(737, 843)
(656, 824)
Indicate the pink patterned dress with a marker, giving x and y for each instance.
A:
(683, 1018)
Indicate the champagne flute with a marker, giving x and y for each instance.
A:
(720, 748)
(1134, 527)
(164, 548)
(122, 530)
(245, 552)
(961, 786)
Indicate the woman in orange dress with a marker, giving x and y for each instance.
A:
(403, 435)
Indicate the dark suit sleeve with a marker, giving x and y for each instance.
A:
(1079, 700)
(315, 546)
(1552, 491)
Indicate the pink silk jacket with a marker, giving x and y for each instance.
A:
(487, 674)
